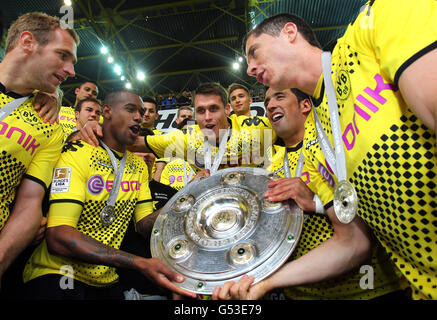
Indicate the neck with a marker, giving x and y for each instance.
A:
(144, 126)
(313, 65)
(11, 77)
(111, 142)
(293, 139)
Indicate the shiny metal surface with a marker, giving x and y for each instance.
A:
(217, 229)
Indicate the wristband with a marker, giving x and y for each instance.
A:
(319, 205)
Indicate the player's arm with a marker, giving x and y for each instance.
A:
(23, 223)
(349, 247)
(66, 241)
(418, 85)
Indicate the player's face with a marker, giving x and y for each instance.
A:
(268, 59)
(89, 111)
(283, 112)
(126, 118)
(240, 102)
(184, 114)
(211, 115)
(150, 115)
(54, 62)
(87, 90)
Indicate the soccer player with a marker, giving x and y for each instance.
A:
(88, 109)
(39, 55)
(95, 193)
(67, 115)
(384, 83)
(215, 142)
(184, 112)
(287, 111)
(239, 99)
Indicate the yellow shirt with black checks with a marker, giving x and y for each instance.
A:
(29, 148)
(82, 180)
(249, 144)
(390, 153)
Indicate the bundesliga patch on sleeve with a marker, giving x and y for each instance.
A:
(61, 180)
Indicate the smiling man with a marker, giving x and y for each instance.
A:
(95, 193)
(384, 84)
(287, 111)
(39, 55)
(240, 99)
(216, 141)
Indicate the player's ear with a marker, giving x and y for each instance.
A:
(107, 111)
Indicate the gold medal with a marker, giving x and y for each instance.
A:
(107, 216)
(345, 201)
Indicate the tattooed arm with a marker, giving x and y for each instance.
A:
(68, 242)
(145, 225)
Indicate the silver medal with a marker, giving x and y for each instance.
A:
(345, 201)
(107, 216)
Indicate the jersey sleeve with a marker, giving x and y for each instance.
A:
(67, 194)
(167, 145)
(41, 167)
(400, 32)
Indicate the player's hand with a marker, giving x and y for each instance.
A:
(291, 188)
(47, 106)
(240, 290)
(90, 133)
(41, 232)
(156, 271)
(201, 174)
(149, 159)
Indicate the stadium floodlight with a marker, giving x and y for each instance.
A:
(104, 50)
(236, 65)
(128, 85)
(117, 69)
(110, 59)
(141, 76)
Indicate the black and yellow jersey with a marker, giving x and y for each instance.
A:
(249, 140)
(82, 180)
(317, 229)
(173, 173)
(29, 148)
(67, 120)
(390, 153)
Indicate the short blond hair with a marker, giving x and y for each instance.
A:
(39, 24)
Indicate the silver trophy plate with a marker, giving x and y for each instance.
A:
(219, 228)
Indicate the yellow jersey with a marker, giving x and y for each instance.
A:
(29, 148)
(82, 180)
(173, 173)
(390, 153)
(67, 120)
(317, 229)
(249, 144)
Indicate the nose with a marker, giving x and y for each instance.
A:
(69, 69)
(137, 116)
(251, 69)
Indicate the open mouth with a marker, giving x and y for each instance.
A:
(60, 79)
(135, 130)
(260, 77)
(276, 117)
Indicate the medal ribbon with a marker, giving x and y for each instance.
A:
(336, 158)
(190, 176)
(118, 173)
(219, 156)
